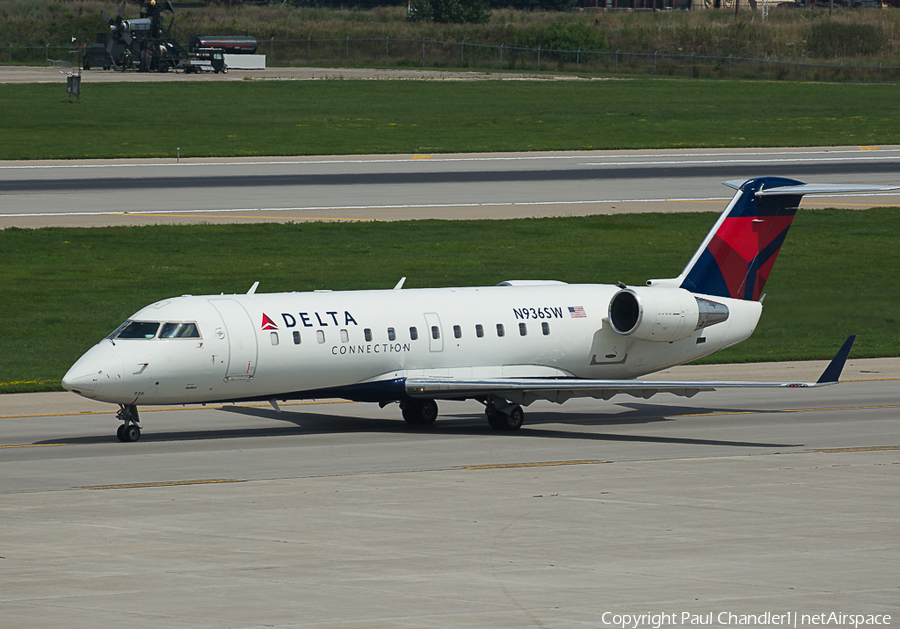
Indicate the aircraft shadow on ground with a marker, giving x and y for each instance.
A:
(537, 425)
(475, 424)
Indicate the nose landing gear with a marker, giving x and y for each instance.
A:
(130, 430)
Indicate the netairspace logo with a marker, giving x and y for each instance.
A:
(728, 619)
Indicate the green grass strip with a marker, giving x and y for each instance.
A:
(117, 120)
(65, 289)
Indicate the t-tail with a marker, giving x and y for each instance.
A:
(738, 254)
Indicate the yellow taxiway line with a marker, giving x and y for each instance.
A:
(501, 466)
(175, 483)
(178, 408)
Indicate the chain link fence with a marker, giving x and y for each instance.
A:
(55, 56)
(426, 53)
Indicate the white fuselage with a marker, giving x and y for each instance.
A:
(303, 345)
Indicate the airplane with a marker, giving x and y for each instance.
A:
(505, 345)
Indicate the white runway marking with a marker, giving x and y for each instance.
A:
(320, 208)
(658, 159)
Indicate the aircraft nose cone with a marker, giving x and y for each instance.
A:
(96, 375)
(82, 377)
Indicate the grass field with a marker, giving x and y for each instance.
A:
(65, 289)
(358, 117)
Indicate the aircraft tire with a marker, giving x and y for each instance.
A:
(131, 433)
(499, 420)
(120, 432)
(515, 419)
(420, 412)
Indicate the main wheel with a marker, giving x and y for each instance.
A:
(499, 420)
(419, 411)
(515, 419)
(120, 432)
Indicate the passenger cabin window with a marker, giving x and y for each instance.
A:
(457, 332)
(274, 337)
(138, 330)
(296, 338)
(413, 334)
(479, 330)
(435, 332)
(179, 331)
(500, 330)
(392, 336)
(545, 328)
(523, 329)
(320, 336)
(368, 334)
(345, 336)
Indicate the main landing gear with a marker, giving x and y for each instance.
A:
(509, 417)
(506, 416)
(130, 430)
(420, 412)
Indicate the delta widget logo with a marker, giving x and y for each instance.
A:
(267, 323)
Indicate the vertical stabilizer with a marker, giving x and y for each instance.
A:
(738, 254)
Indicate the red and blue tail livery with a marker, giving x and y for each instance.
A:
(737, 259)
(737, 256)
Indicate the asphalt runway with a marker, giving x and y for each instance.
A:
(341, 515)
(483, 186)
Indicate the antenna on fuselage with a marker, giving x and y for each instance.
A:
(400, 283)
(252, 290)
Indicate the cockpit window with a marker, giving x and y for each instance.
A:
(136, 330)
(179, 331)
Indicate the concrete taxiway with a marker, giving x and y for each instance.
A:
(340, 515)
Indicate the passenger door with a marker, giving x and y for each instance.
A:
(241, 336)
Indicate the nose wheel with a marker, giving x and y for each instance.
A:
(130, 430)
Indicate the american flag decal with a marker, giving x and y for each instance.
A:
(577, 312)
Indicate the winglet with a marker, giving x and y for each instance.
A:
(833, 371)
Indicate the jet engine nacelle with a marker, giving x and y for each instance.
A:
(662, 314)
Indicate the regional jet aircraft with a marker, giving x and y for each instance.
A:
(505, 345)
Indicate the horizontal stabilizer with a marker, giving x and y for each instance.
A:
(811, 188)
(823, 188)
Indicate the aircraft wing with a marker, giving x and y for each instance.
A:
(526, 390)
